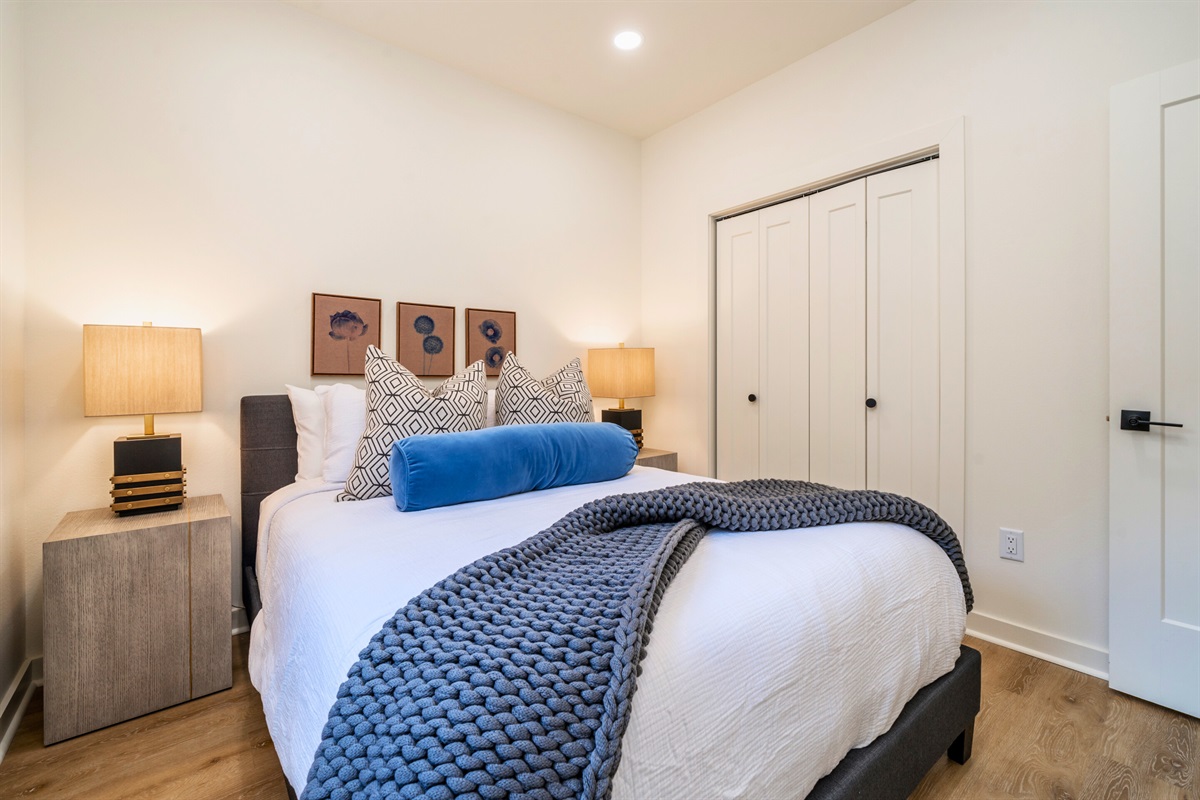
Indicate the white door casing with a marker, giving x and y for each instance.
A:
(1154, 366)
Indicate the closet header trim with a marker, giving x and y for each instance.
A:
(830, 183)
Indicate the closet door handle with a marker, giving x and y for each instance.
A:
(752, 398)
(871, 402)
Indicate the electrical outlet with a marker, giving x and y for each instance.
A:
(1012, 544)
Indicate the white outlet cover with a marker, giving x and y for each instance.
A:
(1012, 544)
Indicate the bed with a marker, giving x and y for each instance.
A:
(310, 619)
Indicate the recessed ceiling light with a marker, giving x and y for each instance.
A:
(628, 40)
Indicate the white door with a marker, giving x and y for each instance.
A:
(1154, 367)
(783, 401)
(903, 333)
(838, 336)
(738, 333)
(762, 350)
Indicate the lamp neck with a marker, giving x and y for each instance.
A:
(148, 421)
(620, 402)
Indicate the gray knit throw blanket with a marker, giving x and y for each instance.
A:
(513, 677)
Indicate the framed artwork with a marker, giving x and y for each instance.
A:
(490, 335)
(342, 329)
(425, 339)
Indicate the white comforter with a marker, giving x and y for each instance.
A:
(773, 653)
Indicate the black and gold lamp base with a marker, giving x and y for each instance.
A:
(148, 474)
(628, 418)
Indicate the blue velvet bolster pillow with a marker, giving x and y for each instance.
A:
(443, 469)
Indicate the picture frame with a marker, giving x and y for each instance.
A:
(425, 339)
(490, 336)
(343, 327)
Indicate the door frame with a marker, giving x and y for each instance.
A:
(947, 141)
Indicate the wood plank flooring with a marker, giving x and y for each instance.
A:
(1043, 732)
(211, 748)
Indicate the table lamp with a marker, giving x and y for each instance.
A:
(144, 370)
(622, 372)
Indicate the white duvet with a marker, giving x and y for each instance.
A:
(773, 653)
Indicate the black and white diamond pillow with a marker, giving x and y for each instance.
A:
(399, 405)
(522, 399)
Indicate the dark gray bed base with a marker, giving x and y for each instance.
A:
(939, 719)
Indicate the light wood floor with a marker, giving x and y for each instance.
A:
(212, 748)
(1043, 732)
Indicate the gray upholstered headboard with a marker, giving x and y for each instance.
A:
(268, 463)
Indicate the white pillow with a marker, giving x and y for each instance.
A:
(489, 421)
(308, 412)
(345, 421)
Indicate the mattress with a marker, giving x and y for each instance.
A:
(847, 622)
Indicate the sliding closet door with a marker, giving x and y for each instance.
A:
(837, 330)
(903, 344)
(783, 401)
(738, 334)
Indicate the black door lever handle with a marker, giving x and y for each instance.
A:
(1140, 421)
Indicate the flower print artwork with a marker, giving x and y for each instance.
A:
(346, 325)
(490, 330)
(425, 339)
(491, 335)
(432, 345)
(343, 328)
(424, 324)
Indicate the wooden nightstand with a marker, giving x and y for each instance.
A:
(136, 613)
(663, 459)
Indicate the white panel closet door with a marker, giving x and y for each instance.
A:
(783, 402)
(903, 367)
(837, 331)
(738, 334)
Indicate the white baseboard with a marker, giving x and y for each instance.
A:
(1055, 649)
(16, 699)
(237, 620)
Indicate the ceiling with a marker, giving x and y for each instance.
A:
(560, 52)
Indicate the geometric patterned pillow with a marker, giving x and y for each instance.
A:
(522, 399)
(399, 405)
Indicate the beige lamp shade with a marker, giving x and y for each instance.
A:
(621, 372)
(141, 369)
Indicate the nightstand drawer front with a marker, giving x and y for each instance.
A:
(116, 627)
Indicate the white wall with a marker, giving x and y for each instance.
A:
(212, 164)
(1031, 81)
(12, 299)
